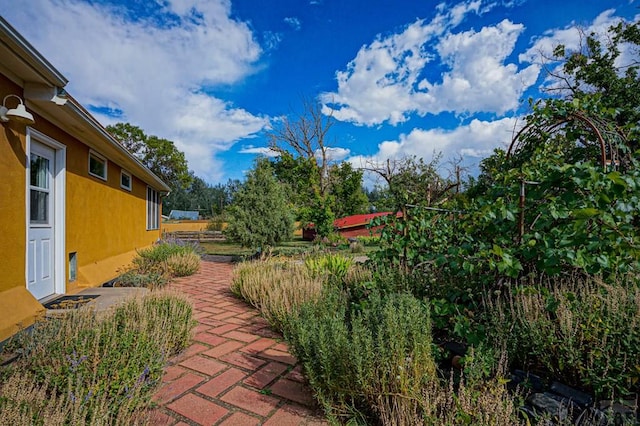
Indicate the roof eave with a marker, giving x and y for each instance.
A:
(19, 45)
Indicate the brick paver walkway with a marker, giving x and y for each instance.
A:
(237, 371)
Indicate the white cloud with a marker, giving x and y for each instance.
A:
(573, 37)
(293, 22)
(335, 154)
(271, 40)
(153, 69)
(385, 81)
(479, 79)
(472, 142)
(260, 150)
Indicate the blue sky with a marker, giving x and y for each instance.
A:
(401, 77)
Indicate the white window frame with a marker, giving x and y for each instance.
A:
(99, 157)
(153, 209)
(127, 174)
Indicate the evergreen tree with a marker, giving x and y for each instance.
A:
(260, 215)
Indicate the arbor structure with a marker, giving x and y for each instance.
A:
(594, 114)
(559, 203)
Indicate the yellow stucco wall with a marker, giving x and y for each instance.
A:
(105, 224)
(185, 225)
(13, 160)
(18, 308)
(105, 221)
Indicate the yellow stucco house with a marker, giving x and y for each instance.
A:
(74, 204)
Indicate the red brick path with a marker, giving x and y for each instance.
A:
(237, 371)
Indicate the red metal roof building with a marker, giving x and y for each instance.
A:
(350, 226)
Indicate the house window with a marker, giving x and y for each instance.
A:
(97, 165)
(153, 208)
(125, 180)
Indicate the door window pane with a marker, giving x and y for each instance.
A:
(39, 207)
(39, 171)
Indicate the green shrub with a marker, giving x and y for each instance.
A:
(216, 223)
(111, 363)
(364, 363)
(584, 332)
(154, 266)
(335, 266)
(154, 258)
(369, 241)
(25, 402)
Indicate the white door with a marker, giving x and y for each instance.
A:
(41, 211)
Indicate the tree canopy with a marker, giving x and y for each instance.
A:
(157, 154)
(321, 188)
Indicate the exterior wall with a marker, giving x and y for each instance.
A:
(18, 307)
(13, 161)
(185, 225)
(105, 224)
(104, 221)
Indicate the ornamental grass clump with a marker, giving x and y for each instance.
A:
(332, 266)
(275, 288)
(109, 363)
(183, 264)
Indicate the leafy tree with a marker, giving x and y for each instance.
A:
(206, 199)
(346, 189)
(379, 198)
(594, 115)
(305, 137)
(157, 154)
(299, 176)
(595, 69)
(320, 189)
(260, 215)
(553, 205)
(412, 181)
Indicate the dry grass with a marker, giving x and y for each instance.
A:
(276, 287)
(468, 399)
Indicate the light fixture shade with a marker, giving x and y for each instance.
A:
(20, 114)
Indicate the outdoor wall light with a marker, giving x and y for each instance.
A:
(19, 113)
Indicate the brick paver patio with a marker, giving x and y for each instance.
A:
(237, 371)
